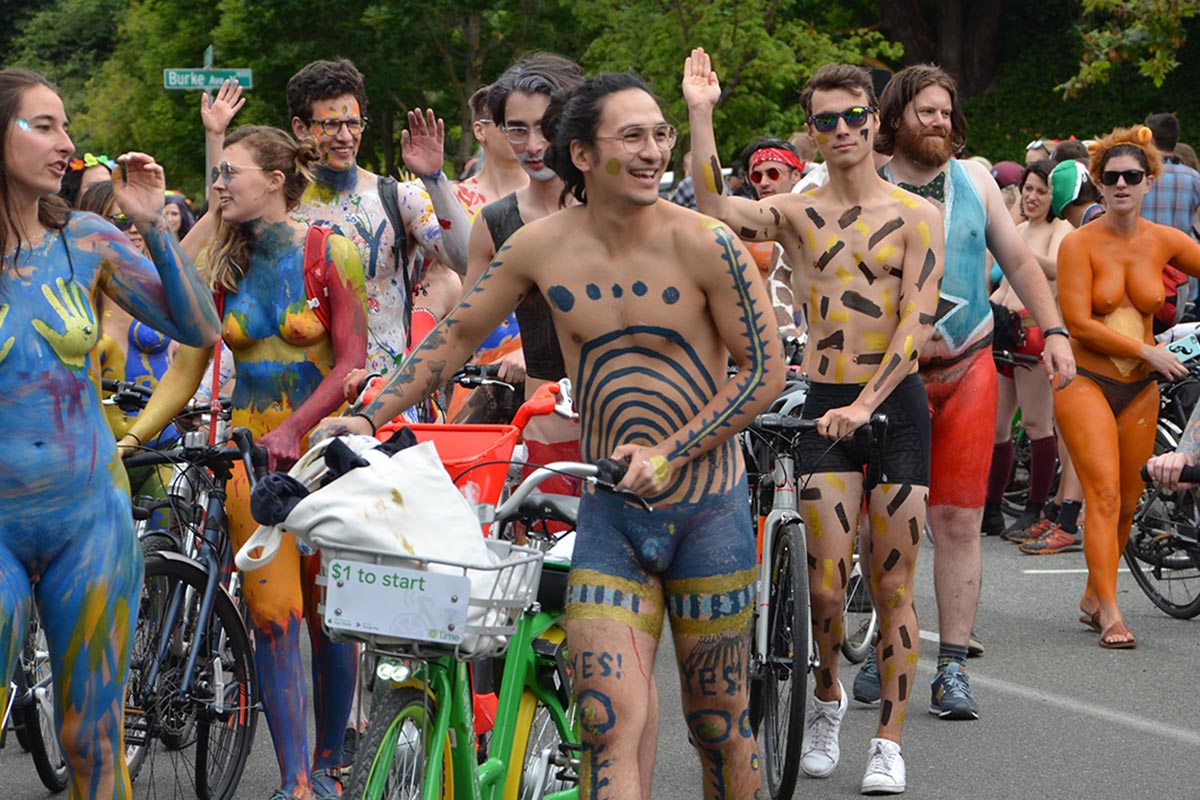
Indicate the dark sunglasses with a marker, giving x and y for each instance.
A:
(1132, 177)
(122, 221)
(756, 177)
(827, 121)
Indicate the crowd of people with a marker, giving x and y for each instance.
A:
(903, 263)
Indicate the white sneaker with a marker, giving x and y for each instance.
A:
(820, 752)
(885, 769)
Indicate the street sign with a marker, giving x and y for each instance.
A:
(205, 79)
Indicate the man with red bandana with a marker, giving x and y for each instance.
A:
(922, 126)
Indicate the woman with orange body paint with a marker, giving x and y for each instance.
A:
(1110, 285)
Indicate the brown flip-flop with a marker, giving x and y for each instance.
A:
(1091, 620)
(1114, 638)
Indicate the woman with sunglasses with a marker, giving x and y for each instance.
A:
(1110, 284)
(66, 529)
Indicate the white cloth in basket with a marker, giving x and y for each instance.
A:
(405, 505)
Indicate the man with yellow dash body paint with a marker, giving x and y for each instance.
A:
(867, 261)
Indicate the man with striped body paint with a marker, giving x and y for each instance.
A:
(867, 262)
(649, 300)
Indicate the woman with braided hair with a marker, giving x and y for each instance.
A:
(1110, 285)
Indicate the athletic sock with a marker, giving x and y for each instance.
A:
(1001, 469)
(1043, 455)
(1051, 511)
(952, 653)
(1069, 516)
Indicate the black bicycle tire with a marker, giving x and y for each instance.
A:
(1144, 555)
(182, 572)
(789, 606)
(41, 733)
(856, 643)
(391, 705)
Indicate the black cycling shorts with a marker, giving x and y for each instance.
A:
(905, 453)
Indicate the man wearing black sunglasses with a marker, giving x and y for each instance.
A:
(867, 261)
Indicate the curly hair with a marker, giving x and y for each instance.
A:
(1137, 141)
(274, 151)
(324, 80)
(902, 89)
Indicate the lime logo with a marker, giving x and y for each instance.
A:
(433, 633)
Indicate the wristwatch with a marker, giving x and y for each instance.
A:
(1059, 331)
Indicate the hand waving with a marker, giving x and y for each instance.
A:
(422, 144)
(140, 185)
(700, 85)
(220, 110)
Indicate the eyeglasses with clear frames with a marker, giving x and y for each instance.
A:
(332, 127)
(635, 138)
(519, 134)
(228, 172)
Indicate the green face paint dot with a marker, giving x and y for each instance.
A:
(613, 166)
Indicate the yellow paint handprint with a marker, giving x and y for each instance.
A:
(80, 331)
(4, 348)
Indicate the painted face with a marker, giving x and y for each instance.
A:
(1035, 197)
(241, 187)
(854, 137)
(1123, 196)
(633, 146)
(523, 129)
(926, 128)
(37, 146)
(173, 217)
(339, 148)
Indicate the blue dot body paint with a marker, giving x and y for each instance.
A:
(639, 288)
(670, 295)
(561, 296)
(617, 291)
(593, 291)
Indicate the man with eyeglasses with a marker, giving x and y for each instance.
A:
(868, 261)
(327, 99)
(922, 126)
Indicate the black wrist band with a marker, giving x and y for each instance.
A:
(1056, 332)
(370, 421)
(135, 436)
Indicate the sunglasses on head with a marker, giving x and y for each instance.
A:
(122, 221)
(770, 173)
(1133, 177)
(827, 121)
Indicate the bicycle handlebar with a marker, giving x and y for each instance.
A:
(251, 455)
(604, 475)
(1189, 474)
(1014, 359)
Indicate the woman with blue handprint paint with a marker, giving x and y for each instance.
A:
(66, 533)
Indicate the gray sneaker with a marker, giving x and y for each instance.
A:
(866, 682)
(952, 694)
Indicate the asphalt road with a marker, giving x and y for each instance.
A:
(1060, 718)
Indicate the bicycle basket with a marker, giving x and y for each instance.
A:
(416, 608)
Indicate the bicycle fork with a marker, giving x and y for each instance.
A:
(784, 510)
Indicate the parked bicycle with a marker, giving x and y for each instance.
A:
(31, 708)
(192, 698)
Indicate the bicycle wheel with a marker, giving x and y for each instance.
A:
(858, 617)
(198, 741)
(785, 675)
(390, 762)
(1163, 552)
(36, 717)
(536, 742)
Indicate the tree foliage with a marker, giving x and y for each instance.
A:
(763, 51)
(1145, 33)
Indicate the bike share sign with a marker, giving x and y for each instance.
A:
(395, 601)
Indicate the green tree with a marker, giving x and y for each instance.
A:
(1145, 33)
(763, 51)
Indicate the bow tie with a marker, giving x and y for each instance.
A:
(935, 189)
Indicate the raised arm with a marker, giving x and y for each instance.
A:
(348, 335)
(216, 112)
(174, 391)
(752, 221)
(448, 346)
(422, 148)
(731, 283)
(165, 292)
